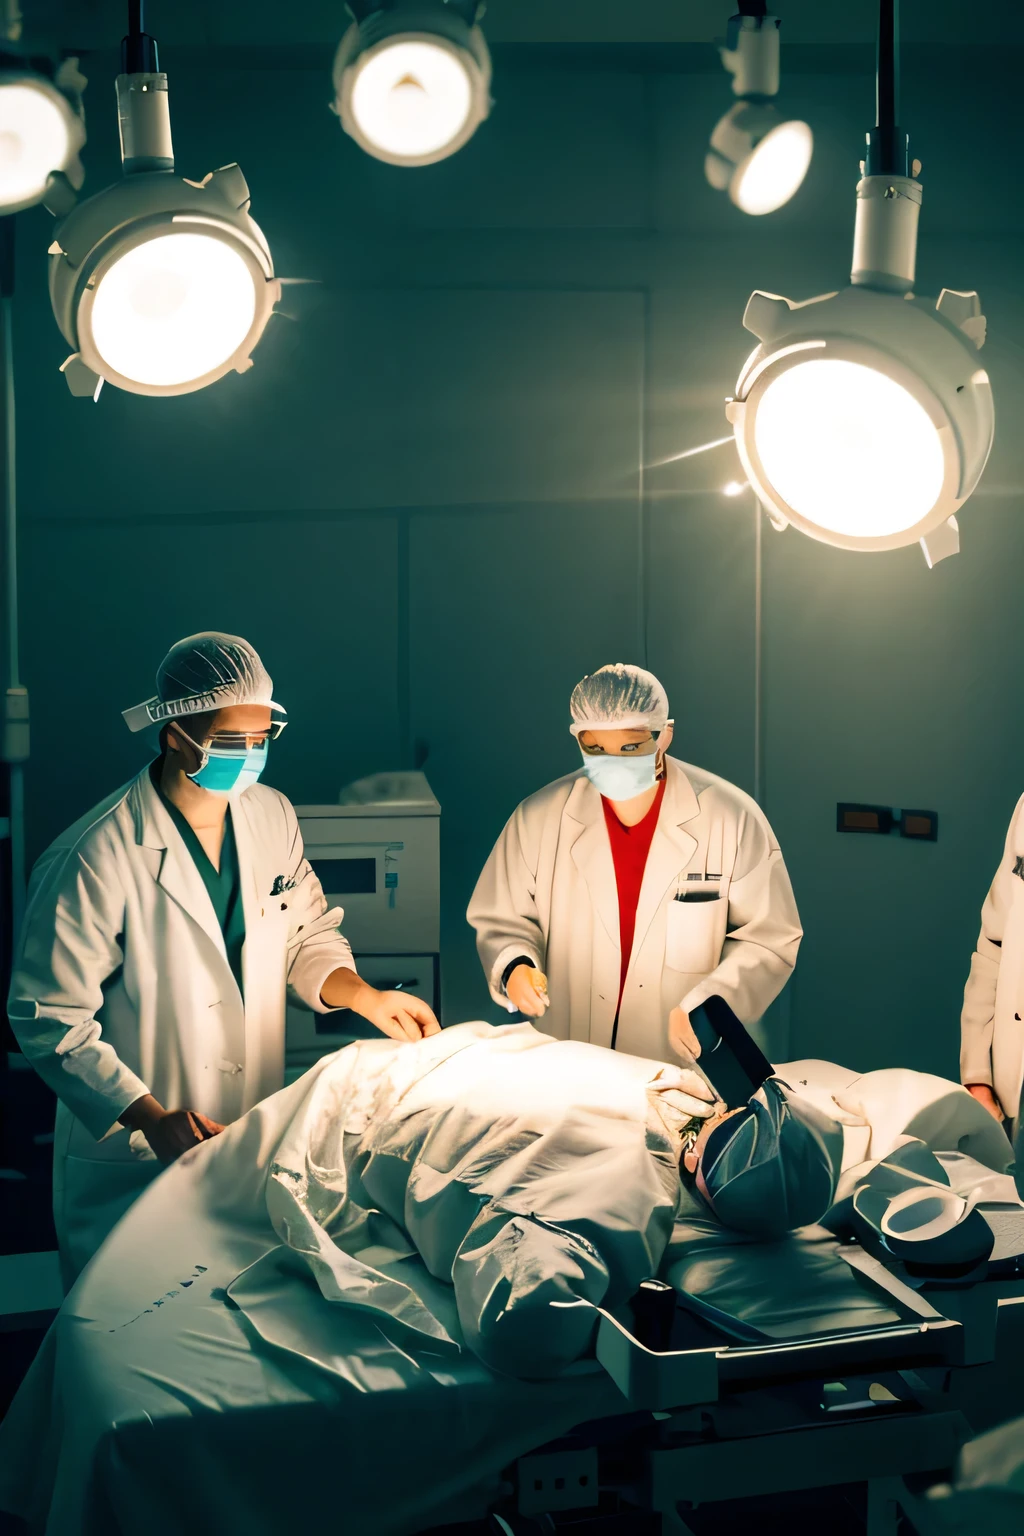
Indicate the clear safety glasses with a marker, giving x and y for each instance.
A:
(233, 743)
(243, 741)
(628, 748)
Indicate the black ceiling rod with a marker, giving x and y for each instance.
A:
(888, 146)
(138, 50)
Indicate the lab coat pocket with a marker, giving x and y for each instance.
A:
(694, 935)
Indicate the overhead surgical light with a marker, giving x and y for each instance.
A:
(162, 285)
(757, 156)
(864, 418)
(412, 78)
(42, 125)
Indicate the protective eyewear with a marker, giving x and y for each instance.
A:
(628, 749)
(232, 743)
(242, 741)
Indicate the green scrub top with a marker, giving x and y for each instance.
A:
(223, 885)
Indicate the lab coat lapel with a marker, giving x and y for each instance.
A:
(255, 888)
(264, 1045)
(592, 854)
(671, 848)
(175, 872)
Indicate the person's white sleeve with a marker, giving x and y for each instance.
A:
(764, 929)
(979, 1010)
(71, 945)
(316, 945)
(503, 907)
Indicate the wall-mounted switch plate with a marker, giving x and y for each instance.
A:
(923, 825)
(880, 820)
(863, 818)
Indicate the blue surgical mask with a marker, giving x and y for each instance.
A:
(621, 778)
(230, 773)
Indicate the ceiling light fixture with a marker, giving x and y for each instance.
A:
(162, 285)
(757, 156)
(863, 417)
(412, 78)
(42, 125)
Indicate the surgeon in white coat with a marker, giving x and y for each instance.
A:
(620, 897)
(164, 933)
(991, 1027)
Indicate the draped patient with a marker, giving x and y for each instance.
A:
(541, 1178)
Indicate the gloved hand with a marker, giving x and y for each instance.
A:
(686, 1093)
(681, 1036)
(527, 990)
(397, 1014)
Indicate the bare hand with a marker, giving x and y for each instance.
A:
(984, 1095)
(681, 1036)
(527, 991)
(398, 1014)
(170, 1132)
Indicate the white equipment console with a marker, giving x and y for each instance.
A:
(377, 855)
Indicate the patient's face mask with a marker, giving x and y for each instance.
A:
(231, 761)
(627, 769)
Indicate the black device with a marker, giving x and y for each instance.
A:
(730, 1060)
(654, 1310)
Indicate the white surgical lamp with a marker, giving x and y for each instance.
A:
(42, 125)
(412, 79)
(864, 418)
(758, 157)
(162, 285)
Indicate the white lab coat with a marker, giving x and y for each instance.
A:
(548, 892)
(991, 1027)
(122, 986)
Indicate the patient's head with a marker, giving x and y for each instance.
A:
(770, 1166)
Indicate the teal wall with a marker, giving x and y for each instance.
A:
(422, 502)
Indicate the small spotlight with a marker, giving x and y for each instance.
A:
(734, 488)
(42, 131)
(862, 417)
(756, 156)
(162, 285)
(412, 78)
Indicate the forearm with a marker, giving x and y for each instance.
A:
(145, 1112)
(345, 989)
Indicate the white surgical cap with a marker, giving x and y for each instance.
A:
(203, 673)
(619, 698)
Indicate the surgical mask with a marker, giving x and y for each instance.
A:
(621, 778)
(228, 771)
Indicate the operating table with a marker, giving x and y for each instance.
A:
(791, 1366)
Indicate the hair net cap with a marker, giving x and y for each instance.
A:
(775, 1165)
(202, 673)
(619, 697)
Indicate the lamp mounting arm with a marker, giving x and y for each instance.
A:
(888, 193)
(888, 146)
(143, 110)
(751, 52)
(139, 54)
